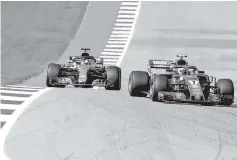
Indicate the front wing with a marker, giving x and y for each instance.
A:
(65, 81)
(181, 98)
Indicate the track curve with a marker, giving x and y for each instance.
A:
(97, 124)
(34, 35)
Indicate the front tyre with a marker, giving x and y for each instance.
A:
(53, 71)
(113, 80)
(226, 91)
(138, 83)
(159, 83)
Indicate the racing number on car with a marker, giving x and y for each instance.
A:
(194, 84)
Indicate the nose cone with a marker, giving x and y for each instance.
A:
(197, 96)
(83, 74)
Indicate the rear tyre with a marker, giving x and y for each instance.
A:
(138, 83)
(226, 91)
(53, 71)
(159, 83)
(113, 78)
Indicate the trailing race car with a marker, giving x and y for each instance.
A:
(180, 82)
(84, 71)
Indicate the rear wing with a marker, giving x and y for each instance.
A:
(99, 60)
(181, 56)
(160, 64)
(85, 49)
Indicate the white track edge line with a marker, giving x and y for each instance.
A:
(131, 34)
(120, 39)
(114, 46)
(119, 35)
(16, 92)
(126, 16)
(5, 118)
(7, 127)
(13, 98)
(126, 12)
(25, 87)
(128, 8)
(111, 53)
(113, 50)
(123, 24)
(112, 57)
(129, 3)
(116, 42)
(121, 29)
(110, 63)
(120, 32)
(125, 20)
(10, 106)
(110, 60)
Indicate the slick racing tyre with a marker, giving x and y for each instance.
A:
(159, 83)
(138, 83)
(113, 80)
(226, 91)
(53, 71)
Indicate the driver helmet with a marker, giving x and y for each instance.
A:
(82, 62)
(181, 71)
(86, 61)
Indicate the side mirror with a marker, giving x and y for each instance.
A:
(202, 72)
(212, 79)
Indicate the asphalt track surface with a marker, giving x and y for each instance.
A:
(35, 35)
(96, 124)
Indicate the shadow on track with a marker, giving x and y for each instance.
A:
(188, 104)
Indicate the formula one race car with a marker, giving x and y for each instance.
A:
(181, 83)
(84, 71)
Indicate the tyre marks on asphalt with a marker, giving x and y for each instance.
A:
(12, 97)
(122, 32)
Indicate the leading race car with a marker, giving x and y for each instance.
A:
(84, 71)
(180, 82)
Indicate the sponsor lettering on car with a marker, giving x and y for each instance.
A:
(159, 63)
